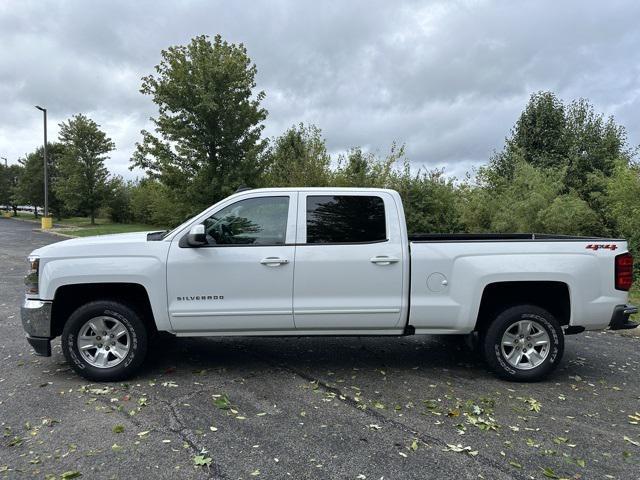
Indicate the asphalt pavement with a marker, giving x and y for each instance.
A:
(305, 408)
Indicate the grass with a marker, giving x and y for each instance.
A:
(81, 226)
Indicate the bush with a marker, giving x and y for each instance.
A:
(118, 206)
(154, 204)
(569, 215)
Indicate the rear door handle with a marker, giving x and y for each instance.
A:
(384, 260)
(274, 261)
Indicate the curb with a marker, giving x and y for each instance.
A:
(55, 233)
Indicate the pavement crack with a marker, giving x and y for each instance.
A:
(177, 426)
(378, 416)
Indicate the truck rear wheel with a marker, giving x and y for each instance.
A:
(105, 341)
(524, 343)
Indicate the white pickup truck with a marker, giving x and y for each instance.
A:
(321, 261)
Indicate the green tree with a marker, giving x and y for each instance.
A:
(359, 168)
(569, 215)
(155, 204)
(83, 178)
(9, 177)
(207, 136)
(118, 202)
(298, 158)
(550, 134)
(429, 200)
(531, 201)
(595, 145)
(540, 131)
(30, 187)
(538, 138)
(623, 201)
(573, 138)
(6, 186)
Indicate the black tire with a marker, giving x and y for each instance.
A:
(494, 353)
(137, 348)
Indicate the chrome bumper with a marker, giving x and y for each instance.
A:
(36, 317)
(36, 321)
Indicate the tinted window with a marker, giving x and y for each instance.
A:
(345, 219)
(254, 221)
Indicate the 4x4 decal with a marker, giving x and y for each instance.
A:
(601, 246)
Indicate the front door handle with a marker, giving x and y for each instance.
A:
(384, 260)
(274, 261)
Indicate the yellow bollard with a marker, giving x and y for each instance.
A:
(47, 223)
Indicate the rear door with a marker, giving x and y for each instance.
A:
(349, 262)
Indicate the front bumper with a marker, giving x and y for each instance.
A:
(36, 321)
(620, 318)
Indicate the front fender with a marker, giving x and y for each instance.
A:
(148, 271)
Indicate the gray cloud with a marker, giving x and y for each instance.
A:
(447, 78)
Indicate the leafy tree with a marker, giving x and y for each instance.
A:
(30, 187)
(623, 201)
(531, 201)
(550, 134)
(537, 138)
(9, 177)
(83, 178)
(119, 201)
(429, 199)
(573, 138)
(298, 158)
(155, 204)
(6, 186)
(207, 136)
(540, 131)
(569, 215)
(517, 206)
(365, 169)
(595, 146)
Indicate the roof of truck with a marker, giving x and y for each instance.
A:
(317, 189)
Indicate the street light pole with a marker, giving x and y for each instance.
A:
(46, 176)
(5, 161)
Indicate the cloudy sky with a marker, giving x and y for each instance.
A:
(448, 79)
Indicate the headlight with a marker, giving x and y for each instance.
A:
(31, 280)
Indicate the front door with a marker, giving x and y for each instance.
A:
(243, 278)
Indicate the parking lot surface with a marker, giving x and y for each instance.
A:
(304, 408)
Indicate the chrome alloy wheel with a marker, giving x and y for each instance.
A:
(525, 344)
(104, 342)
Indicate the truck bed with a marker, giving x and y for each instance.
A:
(501, 237)
(449, 274)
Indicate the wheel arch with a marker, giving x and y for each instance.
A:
(68, 298)
(553, 296)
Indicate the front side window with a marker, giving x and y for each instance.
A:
(345, 219)
(254, 221)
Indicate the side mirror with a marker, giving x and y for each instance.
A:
(196, 236)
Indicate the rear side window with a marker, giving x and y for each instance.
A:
(345, 219)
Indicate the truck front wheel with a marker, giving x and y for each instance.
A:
(524, 343)
(105, 341)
